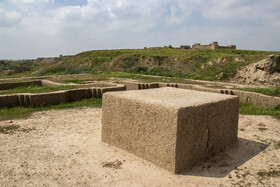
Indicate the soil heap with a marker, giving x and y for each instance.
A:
(265, 72)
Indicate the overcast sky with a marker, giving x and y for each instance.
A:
(42, 28)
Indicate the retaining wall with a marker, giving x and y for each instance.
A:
(244, 96)
(43, 99)
(253, 98)
(139, 86)
(82, 93)
(11, 85)
(49, 83)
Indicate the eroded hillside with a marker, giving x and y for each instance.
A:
(264, 72)
(221, 64)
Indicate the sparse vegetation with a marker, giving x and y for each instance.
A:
(17, 67)
(116, 164)
(277, 144)
(261, 125)
(263, 129)
(160, 71)
(266, 91)
(255, 110)
(125, 75)
(7, 129)
(10, 129)
(61, 69)
(129, 61)
(174, 66)
(153, 61)
(22, 112)
(270, 173)
(76, 81)
(140, 69)
(38, 89)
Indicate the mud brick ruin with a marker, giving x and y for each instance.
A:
(213, 45)
(170, 127)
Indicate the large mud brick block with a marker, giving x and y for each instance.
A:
(170, 127)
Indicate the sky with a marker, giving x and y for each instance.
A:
(48, 28)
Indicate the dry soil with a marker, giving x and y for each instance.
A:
(63, 148)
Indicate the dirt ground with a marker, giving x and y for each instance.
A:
(63, 148)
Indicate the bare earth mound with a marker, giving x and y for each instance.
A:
(265, 72)
(63, 147)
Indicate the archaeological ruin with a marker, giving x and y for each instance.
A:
(170, 127)
(213, 45)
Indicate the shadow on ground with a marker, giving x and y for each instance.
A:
(222, 164)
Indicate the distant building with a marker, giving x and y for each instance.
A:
(213, 45)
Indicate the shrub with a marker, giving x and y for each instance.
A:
(64, 69)
(160, 71)
(19, 69)
(129, 61)
(193, 76)
(140, 69)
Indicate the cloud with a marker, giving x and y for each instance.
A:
(9, 18)
(51, 27)
(16, 2)
(240, 12)
(36, 1)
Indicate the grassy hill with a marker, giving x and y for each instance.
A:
(218, 64)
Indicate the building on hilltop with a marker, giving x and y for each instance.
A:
(213, 45)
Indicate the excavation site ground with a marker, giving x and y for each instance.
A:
(62, 147)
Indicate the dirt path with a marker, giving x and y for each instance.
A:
(63, 148)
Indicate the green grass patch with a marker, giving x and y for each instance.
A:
(129, 61)
(76, 81)
(124, 75)
(266, 91)
(62, 69)
(145, 77)
(13, 67)
(7, 113)
(160, 71)
(153, 61)
(162, 60)
(39, 89)
(248, 109)
(139, 69)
